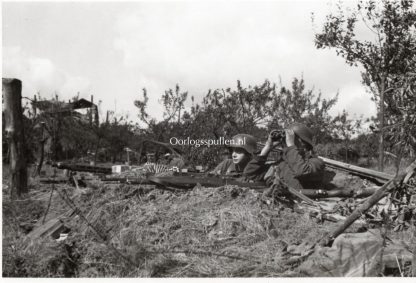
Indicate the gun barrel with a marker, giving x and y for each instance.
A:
(83, 168)
(188, 182)
(360, 171)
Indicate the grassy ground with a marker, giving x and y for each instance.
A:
(215, 232)
(131, 231)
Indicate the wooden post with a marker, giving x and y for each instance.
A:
(128, 157)
(140, 152)
(42, 149)
(13, 117)
(91, 109)
(96, 118)
(34, 105)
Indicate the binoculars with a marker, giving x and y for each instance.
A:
(279, 136)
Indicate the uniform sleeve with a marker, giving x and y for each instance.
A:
(301, 166)
(221, 168)
(256, 168)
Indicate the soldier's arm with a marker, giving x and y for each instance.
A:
(256, 168)
(302, 166)
(221, 168)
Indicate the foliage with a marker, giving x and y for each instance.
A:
(401, 122)
(69, 134)
(345, 127)
(393, 26)
(388, 60)
(225, 112)
(173, 103)
(242, 109)
(116, 135)
(366, 144)
(301, 105)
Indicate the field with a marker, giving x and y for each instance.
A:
(112, 230)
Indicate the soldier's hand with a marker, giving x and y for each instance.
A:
(290, 137)
(270, 140)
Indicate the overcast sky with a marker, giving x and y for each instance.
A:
(113, 50)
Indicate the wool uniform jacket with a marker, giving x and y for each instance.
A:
(227, 167)
(297, 170)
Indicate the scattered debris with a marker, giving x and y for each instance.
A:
(351, 255)
(52, 228)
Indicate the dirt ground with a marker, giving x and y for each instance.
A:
(113, 230)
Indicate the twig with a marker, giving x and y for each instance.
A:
(78, 211)
(414, 257)
(49, 204)
(30, 99)
(203, 253)
(398, 264)
(50, 198)
(383, 233)
(75, 182)
(99, 262)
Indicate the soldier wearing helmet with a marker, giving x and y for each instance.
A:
(243, 147)
(298, 167)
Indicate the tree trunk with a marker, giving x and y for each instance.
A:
(381, 121)
(13, 114)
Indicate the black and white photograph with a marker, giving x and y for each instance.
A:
(209, 139)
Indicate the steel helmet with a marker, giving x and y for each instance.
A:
(303, 132)
(247, 142)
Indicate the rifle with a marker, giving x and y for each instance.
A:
(186, 181)
(189, 181)
(83, 167)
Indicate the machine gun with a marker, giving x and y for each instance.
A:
(186, 181)
(189, 181)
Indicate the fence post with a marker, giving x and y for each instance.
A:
(13, 118)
